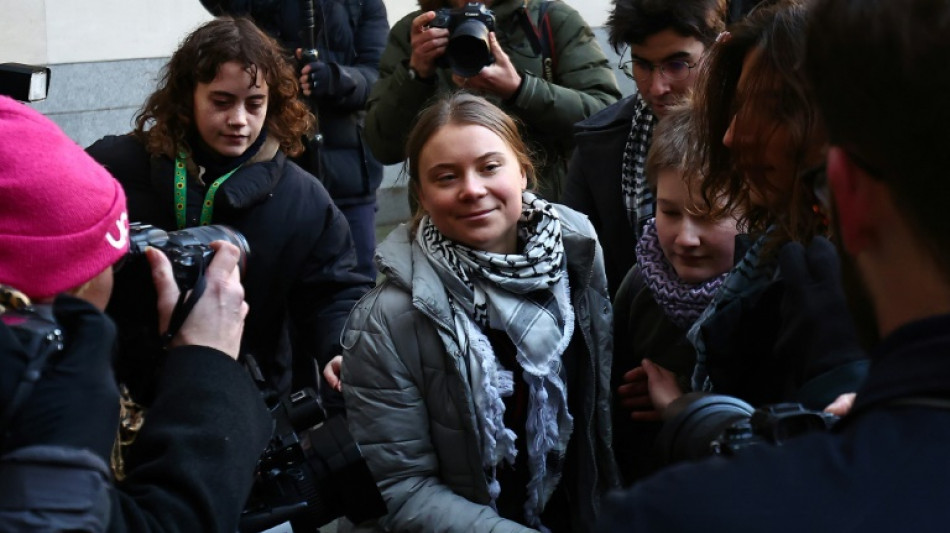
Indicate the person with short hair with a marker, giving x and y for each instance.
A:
(476, 374)
(683, 257)
(63, 230)
(667, 42)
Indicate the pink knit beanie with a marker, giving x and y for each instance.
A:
(63, 219)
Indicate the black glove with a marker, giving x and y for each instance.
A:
(816, 325)
(75, 403)
(320, 79)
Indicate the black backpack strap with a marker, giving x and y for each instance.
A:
(541, 37)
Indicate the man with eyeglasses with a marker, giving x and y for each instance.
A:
(662, 44)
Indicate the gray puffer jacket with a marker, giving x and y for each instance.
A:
(409, 396)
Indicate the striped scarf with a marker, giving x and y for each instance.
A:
(633, 183)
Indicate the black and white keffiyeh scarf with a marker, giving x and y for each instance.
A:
(525, 295)
(633, 183)
(681, 302)
(750, 275)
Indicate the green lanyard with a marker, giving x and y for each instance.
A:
(181, 189)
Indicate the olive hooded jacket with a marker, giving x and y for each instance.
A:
(583, 84)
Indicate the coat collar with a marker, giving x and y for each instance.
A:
(248, 186)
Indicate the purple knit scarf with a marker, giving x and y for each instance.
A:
(682, 302)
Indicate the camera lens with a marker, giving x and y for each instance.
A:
(204, 235)
(690, 432)
(468, 50)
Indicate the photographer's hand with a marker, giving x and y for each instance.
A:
(842, 404)
(501, 78)
(428, 44)
(217, 320)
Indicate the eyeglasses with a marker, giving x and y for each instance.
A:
(640, 70)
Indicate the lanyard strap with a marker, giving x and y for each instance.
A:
(181, 189)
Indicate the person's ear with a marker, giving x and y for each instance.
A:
(851, 188)
(524, 180)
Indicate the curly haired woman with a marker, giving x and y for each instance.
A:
(211, 146)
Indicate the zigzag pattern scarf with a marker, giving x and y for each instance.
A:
(681, 302)
(633, 183)
(749, 276)
(525, 295)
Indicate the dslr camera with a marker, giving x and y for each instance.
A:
(311, 472)
(713, 424)
(188, 250)
(468, 51)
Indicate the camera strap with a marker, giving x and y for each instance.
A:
(186, 302)
(541, 37)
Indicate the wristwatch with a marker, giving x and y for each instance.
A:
(415, 76)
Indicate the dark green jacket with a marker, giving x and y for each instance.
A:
(583, 84)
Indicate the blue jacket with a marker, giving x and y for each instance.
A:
(350, 43)
(882, 468)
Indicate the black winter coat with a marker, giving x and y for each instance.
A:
(877, 470)
(190, 468)
(299, 277)
(351, 36)
(756, 355)
(642, 330)
(593, 185)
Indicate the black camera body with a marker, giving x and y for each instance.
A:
(773, 424)
(188, 250)
(703, 424)
(468, 51)
(311, 472)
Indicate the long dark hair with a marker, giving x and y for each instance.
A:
(167, 116)
(778, 96)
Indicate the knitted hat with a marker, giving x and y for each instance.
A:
(63, 219)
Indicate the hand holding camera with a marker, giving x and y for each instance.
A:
(428, 44)
(464, 40)
(217, 319)
(499, 78)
